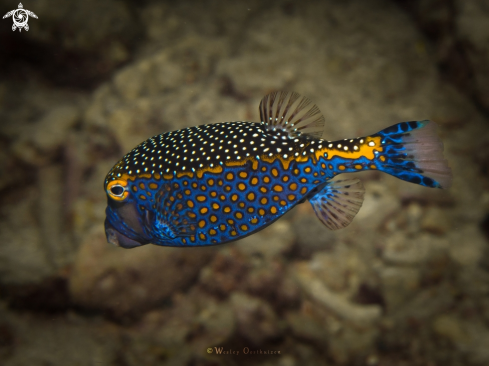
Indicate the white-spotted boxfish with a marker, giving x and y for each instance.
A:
(219, 182)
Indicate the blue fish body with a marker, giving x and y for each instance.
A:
(217, 183)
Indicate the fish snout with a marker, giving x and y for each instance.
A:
(116, 238)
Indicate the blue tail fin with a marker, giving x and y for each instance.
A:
(413, 152)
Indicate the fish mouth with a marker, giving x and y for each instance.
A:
(119, 240)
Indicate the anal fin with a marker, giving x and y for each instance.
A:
(338, 202)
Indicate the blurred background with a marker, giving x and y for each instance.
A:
(407, 283)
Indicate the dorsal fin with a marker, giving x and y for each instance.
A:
(291, 112)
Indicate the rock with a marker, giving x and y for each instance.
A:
(225, 273)
(398, 285)
(311, 234)
(58, 245)
(306, 326)
(23, 257)
(379, 203)
(417, 251)
(256, 320)
(451, 328)
(471, 23)
(467, 245)
(270, 242)
(195, 322)
(436, 221)
(368, 314)
(352, 343)
(413, 216)
(271, 282)
(341, 270)
(60, 340)
(43, 140)
(130, 281)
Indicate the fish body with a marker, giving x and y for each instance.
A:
(220, 182)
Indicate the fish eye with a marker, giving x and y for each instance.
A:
(117, 190)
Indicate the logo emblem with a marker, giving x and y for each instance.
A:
(20, 17)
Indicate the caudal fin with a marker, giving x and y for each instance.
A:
(413, 152)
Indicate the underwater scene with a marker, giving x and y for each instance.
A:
(169, 190)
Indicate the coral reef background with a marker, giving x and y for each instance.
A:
(407, 283)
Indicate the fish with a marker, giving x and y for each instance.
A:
(219, 182)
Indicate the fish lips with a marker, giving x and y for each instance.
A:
(118, 239)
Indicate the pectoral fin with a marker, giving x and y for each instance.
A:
(173, 216)
(338, 202)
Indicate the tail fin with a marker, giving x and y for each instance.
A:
(413, 152)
